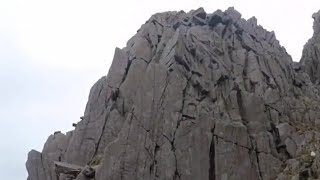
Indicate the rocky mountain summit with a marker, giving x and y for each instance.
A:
(196, 96)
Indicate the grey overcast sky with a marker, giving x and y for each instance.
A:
(51, 53)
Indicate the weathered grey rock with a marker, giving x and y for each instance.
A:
(215, 18)
(41, 165)
(88, 172)
(35, 167)
(196, 96)
(316, 24)
(310, 56)
(71, 170)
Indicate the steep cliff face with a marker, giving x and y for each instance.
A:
(311, 53)
(195, 96)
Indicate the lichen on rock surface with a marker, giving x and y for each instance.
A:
(196, 96)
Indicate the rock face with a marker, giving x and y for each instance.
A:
(311, 53)
(196, 96)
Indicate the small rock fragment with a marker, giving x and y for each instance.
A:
(88, 171)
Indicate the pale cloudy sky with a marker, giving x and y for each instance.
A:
(51, 53)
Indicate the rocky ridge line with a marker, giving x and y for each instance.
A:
(196, 96)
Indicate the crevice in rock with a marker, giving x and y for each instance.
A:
(212, 169)
(275, 134)
(102, 132)
(196, 73)
(139, 59)
(42, 166)
(269, 106)
(258, 165)
(153, 166)
(172, 142)
(161, 99)
(126, 71)
(180, 61)
(188, 116)
(234, 143)
(272, 74)
(156, 21)
(221, 79)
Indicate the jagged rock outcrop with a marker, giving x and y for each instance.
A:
(196, 96)
(311, 53)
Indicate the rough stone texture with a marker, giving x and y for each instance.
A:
(197, 96)
(310, 57)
